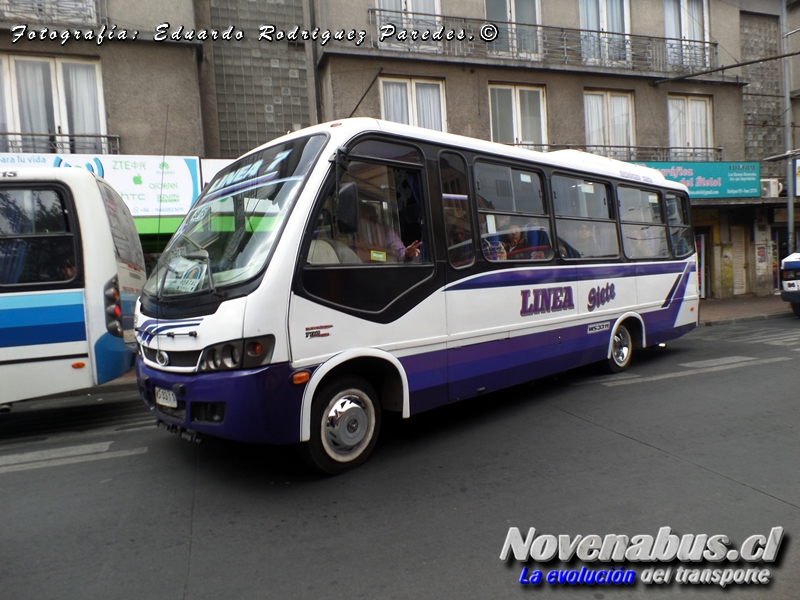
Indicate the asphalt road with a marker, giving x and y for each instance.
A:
(700, 436)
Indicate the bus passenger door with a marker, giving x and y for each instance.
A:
(368, 278)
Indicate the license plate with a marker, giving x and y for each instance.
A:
(166, 398)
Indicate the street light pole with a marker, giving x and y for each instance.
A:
(787, 121)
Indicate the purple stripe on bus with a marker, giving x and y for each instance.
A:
(510, 278)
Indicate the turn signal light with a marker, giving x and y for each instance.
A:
(301, 377)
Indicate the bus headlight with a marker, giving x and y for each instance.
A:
(237, 354)
(222, 357)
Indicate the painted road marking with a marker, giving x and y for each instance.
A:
(696, 371)
(604, 378)
(715, 362)
(62, 456)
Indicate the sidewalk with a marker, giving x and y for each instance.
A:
(743, 308)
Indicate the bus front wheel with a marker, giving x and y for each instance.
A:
(796, 309)
(345, 421)
(621, 350)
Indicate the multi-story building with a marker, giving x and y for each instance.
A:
(639, 81)
(89, 77)
(260, 90)
(116, 92)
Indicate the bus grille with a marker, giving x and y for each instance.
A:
(176, 359)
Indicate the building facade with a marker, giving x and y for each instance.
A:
(638, 81)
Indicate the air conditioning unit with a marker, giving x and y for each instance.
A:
(771, 188)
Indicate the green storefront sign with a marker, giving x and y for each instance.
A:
(714, 179)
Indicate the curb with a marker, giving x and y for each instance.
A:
(734, 320)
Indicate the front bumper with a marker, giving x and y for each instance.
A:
(793, 297)
(257, 405)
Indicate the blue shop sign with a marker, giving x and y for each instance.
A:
(714, 179)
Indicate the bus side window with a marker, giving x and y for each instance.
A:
(36, 241)
(511, 214)
(680, 230)
(585, 220)
(455, 198)
(389, 225)
(644, 234)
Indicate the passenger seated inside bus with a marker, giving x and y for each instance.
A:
(388, 228)
(381, 240)
(583, 241)
(68, 268)
(459, 246)
(506, 237)
(587, 238)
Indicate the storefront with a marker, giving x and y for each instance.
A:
(736, 232)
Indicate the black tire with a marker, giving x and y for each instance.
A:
(796, 309)
(345, 422)
(621, 350)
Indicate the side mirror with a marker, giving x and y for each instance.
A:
(347, 207)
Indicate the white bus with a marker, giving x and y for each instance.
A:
(71, 269)
(363, 266)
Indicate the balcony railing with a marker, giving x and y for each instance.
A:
(46, 143)
(637, 153)
(54, 12)
(538, 43)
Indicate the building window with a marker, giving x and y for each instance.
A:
(690, 134)
(518, 115)
(411, 15)
(685, 27)
(604, 23)
(609, 123)
(413, 102)
(52, 105)
(517, 22)
(82, 12)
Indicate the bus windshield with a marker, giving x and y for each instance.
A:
(228, 234)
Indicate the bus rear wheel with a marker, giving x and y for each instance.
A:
(345, 422)
(621, 350)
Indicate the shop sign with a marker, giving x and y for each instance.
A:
(714, 179)
(151, 186)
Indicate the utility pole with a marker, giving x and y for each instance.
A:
(787, 121)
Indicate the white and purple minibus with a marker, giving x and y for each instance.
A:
(362, 266)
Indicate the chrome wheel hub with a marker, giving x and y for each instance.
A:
(349, 425)
(622, 347)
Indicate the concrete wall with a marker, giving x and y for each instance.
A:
(145, 15)
(347, 78)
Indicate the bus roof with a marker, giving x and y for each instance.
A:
(345, 129)
(47, 173)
